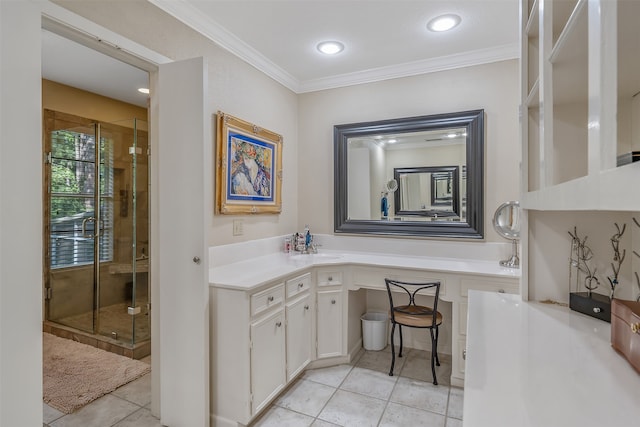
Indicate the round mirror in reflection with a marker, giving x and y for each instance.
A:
(506, 222)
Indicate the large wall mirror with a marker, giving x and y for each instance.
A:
(436, 165)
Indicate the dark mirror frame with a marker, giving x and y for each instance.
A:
(454, 200)
(473, 228)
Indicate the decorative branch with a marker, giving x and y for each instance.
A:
(581, 254)
(618, 258)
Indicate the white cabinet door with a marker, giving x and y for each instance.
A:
(298, 335)
(267, 359)
(329, 323)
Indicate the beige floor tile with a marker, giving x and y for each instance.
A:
(399, 416)
(320, 423)
(421, 395)
(104, 412)
(138, 391)
(371, 383)
(418, 366)
(50, 414)
(453, 422)
(381, 361)
(456, 403)
(306, 397)
(281, 417)
(353, 410)
(140, 418)
(332, 376)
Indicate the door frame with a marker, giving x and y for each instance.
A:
(81, 30)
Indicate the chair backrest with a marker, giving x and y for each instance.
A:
(411, 290)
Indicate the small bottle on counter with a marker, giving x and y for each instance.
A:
(287, 245)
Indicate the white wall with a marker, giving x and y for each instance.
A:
(550, 245)
(492, 87)
(235, 88)
(20, 216)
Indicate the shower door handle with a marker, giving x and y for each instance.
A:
(84, 227)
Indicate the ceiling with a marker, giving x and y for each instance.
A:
(383, 39)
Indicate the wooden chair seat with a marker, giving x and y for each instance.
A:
(416, 316)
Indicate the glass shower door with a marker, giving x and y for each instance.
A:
(109, 297)
(74, 230)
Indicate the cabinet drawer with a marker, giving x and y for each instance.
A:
(262, 301)
(497, 285)
(330, 278)
(298, 284)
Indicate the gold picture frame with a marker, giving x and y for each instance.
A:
(248, 168)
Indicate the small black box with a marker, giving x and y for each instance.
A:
(594, 305)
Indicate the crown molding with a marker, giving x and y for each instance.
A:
(183, 11)
(432, 65)
(192, 17)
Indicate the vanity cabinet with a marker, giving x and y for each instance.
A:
(260, 340)
(268, 358)
(299, 316)
(579, 110)
(329, 313)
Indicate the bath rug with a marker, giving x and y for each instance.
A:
(75, 374)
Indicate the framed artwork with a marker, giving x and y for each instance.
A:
(248, 167)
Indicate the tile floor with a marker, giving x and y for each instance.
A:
(128, 406)
(363, 394)
(353, 395)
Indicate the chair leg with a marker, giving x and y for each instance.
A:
(393, 351)
(400, 329)
(436, 347)
(433, 356)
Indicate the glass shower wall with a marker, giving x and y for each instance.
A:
(109, 297)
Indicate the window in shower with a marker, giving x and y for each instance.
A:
(72, 186)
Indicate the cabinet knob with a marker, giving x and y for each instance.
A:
(300, 285)
(196, 259)
(635, 328)
(597, 310)
(333, 301)
(464, 354)
(306, 307)
(278, 324)
(330, 278)
(501, 291)
(270, 298)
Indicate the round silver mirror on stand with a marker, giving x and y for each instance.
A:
(506, 222)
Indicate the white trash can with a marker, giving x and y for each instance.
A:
(374, 331)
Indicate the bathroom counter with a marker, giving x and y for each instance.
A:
(257, 271)
(532, 364)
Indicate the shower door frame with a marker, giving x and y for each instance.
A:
(99, 198)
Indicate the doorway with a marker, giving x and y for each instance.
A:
(96, 235)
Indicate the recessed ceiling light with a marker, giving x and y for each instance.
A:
(444, 22)
(392, 141)
(143, 90)
(330, 47)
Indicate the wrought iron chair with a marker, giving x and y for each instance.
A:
(414, 316)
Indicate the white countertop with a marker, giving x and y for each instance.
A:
(534, 364)
(257, 271)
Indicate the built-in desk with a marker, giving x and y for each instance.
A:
(260, 310)
(539, 365)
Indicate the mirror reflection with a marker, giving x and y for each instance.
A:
(428, 191)
(437, 163)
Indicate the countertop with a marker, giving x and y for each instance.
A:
(257, 271)
(535, 364)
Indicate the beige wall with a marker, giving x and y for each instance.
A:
(59, 97)
(234, 87)
(492, 87)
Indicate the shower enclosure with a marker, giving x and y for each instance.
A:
(96, 234)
